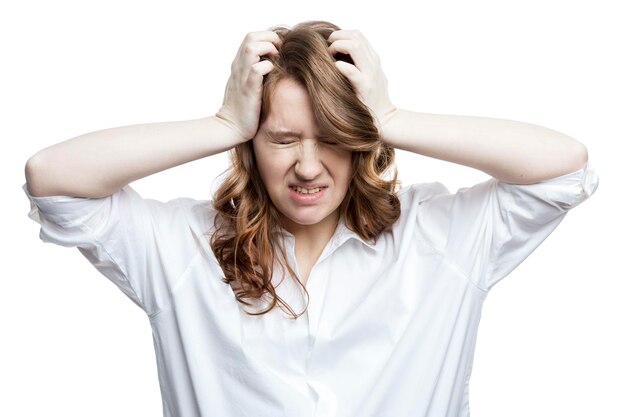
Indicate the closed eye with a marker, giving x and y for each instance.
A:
(280, 141)
(287, 142)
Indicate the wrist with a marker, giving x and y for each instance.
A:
(384, 121)
(233, 133)
(225, 133)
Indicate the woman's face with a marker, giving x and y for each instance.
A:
(300, 158)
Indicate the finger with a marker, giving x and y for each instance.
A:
(253, 51)
(351, 73)
(343, 34)
(258, 70)
(352, 48)
(263, 48)
(340, 45)
(266, 35)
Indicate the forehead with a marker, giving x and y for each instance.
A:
(290, 109)
(289, 91)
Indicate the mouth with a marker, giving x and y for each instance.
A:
(305, 191)
(307, 196)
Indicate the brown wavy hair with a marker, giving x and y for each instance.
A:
(246, 220)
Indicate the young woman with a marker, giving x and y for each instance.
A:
(388, 283)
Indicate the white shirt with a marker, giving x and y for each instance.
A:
(390, 329)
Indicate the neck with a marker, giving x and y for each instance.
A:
(313, 235)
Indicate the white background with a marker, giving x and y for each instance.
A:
(551, 338)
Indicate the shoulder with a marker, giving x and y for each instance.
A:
(415, 200)
(200, 213)
(419, 192)
(179, 215)
(426, 211)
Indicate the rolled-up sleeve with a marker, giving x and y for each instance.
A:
(490, 228)
(141, 245)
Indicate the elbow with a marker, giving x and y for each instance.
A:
(32, 162)
(31, 169)
(575, 160)
(584, 156)
(578, 158)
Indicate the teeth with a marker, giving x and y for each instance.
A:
(306, 191)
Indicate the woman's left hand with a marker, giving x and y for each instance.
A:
(366, 76)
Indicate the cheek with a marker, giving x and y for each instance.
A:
(272, 166)
(343, 163)
(263, 157)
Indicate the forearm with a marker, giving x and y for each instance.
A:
(99, 163)
(512, 151)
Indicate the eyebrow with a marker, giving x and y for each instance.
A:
(280, 134)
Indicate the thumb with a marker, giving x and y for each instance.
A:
(349, 70)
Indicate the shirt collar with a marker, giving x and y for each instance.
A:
(342, 234)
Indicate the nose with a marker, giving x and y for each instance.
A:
(308, 164)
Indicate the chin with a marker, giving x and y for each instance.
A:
(306, 220)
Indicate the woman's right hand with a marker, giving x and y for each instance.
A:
(241, 107)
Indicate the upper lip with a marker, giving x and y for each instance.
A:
(309, 185)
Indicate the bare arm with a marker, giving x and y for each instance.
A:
(99, 163)
(514, 152)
